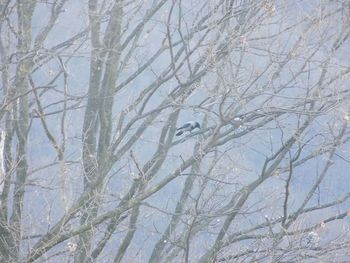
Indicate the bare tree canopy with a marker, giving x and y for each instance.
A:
(94, 92)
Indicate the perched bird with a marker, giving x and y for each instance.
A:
(188, 126)
(312, 239)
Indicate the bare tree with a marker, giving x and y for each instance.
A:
(93, 92)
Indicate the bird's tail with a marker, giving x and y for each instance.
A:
(179, 133)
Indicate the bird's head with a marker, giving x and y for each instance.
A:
(197, 125)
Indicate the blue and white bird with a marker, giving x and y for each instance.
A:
(188, 126)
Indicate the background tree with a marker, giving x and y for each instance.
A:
(93, 92)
